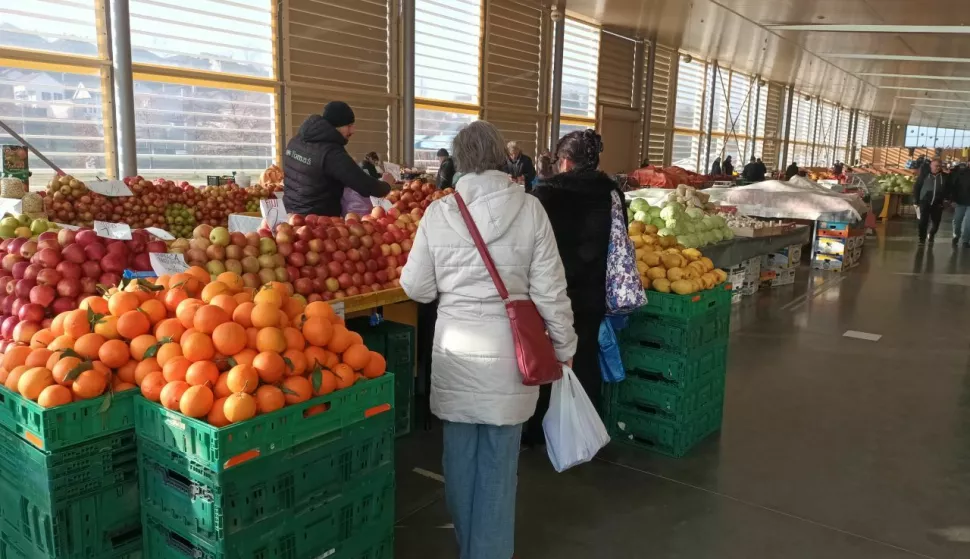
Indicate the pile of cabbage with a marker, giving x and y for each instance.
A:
(692, 227)
(898, 184)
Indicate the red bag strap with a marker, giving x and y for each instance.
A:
(482, 249)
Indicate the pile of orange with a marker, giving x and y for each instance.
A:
(208, 349)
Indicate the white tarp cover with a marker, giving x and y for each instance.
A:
(798, 199)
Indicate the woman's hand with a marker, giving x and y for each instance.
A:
(568, 363)
(389, 179)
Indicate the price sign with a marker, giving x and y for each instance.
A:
(243, 223)
(120, 231)
(113, 188)
(338, 308)
(381, 203)
(167, 264)
(68, 227)
(278, 194)
(273, 212)
(393, 168)
(11, 206)
(160, 233)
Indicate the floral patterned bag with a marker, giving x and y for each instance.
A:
(624, 291)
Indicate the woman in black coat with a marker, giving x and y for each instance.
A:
(578, 201)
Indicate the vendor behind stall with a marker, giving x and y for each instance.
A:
(318, 167)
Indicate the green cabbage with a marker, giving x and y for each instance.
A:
(665, 233)
(642, 217)
(640, 205)
(654, 211)
(728, 233)
(695, 213)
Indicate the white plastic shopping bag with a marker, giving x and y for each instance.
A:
(574, 431)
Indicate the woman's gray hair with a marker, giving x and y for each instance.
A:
(478, 148)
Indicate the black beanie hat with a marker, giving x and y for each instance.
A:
(338, 114)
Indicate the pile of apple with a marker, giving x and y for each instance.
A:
(416, 194)
(250, 255)
(332, 258)
(54, 273)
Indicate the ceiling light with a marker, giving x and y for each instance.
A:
(956, 92)
(900, 57)
(914, 77)
(935, 100)
(848, 28)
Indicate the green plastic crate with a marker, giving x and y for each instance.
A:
(103, 524)
(687, 306)
(677, 335)
(222, 448)
(397, 343)
(12, 547)
(331, 528)
(214, 506)
(51, 429)
(73, 471)
(666, 399)
(658, 434)
(684, 370)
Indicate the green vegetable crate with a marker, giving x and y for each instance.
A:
(397, 343)
(289, 484)
(357, 523)
(50, 429)
(674, 351)
(216, 506)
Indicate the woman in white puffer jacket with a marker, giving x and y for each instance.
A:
(476, 386)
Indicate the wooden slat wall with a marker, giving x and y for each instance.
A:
(774, 124)
(662, 106)
(512, 67)
(616, 73)
(333, 49)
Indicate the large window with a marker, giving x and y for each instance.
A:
(189, 131)
(689, 114)
(447, 63)
(226, 36)
(435, 129)
(60, 114)
(57, 106)
(580, 67)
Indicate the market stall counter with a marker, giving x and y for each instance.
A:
(728, 254)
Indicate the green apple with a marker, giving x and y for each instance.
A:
(11, 222)
(24, 219)
(39, 226)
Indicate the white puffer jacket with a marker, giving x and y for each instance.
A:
(475, 377)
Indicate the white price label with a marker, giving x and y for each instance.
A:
(393, 168)
(120, 231)
(167, 263)
(381, 202)
(11, 206)
(273, 212)
(243, 223)
(113, 188)
(66, 226)
(160, 233)
(278, 194)
(338, 308)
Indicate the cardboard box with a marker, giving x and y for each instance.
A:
(788, 257)
(785, 277)
(832, 245)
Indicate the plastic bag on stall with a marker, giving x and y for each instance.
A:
(611, 364)
(574, 431)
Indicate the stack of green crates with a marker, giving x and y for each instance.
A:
(674, 351)
(296, 483)
(68, 479)
(397, 343)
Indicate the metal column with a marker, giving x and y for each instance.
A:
(710, 117)
(559, 41)
(124, 95)
(407, 82)
(782, 164)
(754, 127)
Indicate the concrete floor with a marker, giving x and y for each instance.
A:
(831, 447)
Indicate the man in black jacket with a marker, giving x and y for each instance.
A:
(930, 193)
(791, 171)
(446, 170)
(960, 195)
(750, 170)
(520, 167)
(317, 166)
(762, 171)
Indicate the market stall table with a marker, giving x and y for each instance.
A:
(732, 253)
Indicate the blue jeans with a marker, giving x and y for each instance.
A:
(961, 223)
(480, 465)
